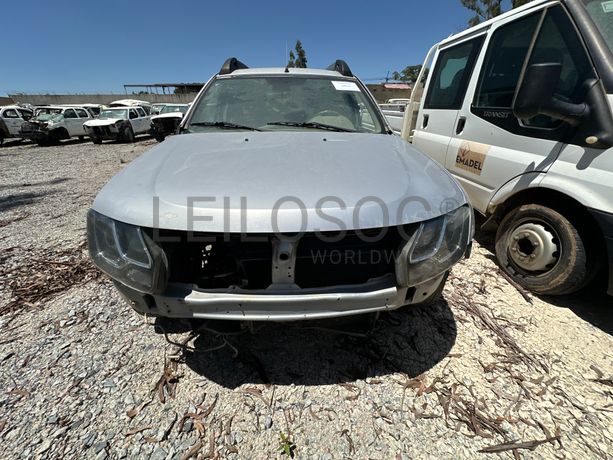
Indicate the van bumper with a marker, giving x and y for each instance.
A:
(605, 221)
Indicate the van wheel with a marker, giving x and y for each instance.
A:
(128, 135)
(160, 137)
(96, 140)
(542, 251)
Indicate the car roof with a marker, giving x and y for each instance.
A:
(2, 107)
(284, 71)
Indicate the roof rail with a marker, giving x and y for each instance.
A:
(231, 65)
(341, 67)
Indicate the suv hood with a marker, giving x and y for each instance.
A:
(102, 122)
(167, 115)
(367, 172)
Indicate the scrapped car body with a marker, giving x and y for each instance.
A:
(167, 121)
(52, 124)
(118, 124)
(299, 204)
(11, 119)
(132, 103)
(157, 108)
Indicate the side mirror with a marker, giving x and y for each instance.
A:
(536, 96)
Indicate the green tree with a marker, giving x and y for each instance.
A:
(487, 9)
(409, 73)
(301, 60)
(292, 59)
(483, 9)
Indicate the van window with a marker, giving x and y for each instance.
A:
(503, 63)
(451, 75)
(133, 114)
(602, 15)
(10, 113)
(82, 113)
(558, 42)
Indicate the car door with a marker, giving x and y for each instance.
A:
(453, 66)
(73, 124)
(491, 147)
(13, 120)
(134, 121)
(83, 115)
(144, 119)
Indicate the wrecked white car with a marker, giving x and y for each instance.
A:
(11, 119)
(132, 103)
(284, 197)
(167, 121)
(118, 124)
(52, 124)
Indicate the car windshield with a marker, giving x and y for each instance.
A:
(602, 15)
(114, 113)
(285, 103)
(47, 111)
(55, 117)
(174, 108)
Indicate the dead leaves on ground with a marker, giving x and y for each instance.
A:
(41, 274)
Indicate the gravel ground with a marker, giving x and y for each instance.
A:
(483, 369)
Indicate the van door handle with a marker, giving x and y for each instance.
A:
(461, 123)
(424, 123)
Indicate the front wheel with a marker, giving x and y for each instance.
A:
(542, 251)
(96, 140)
(128, 135)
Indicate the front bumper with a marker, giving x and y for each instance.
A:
(605, 221)
(186, 301)
(103, 132)
(36, 136)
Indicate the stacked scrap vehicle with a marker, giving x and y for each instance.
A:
(118, 123)
(167, 121)
(51, 124)
(11, 119)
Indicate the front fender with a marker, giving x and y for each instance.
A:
(515, 185)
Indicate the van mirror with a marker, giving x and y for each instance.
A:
(535, 96)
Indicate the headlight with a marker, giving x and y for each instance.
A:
(435, 247)
(126, 254)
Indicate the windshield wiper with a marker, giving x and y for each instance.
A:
(311, 124)
(224, 124)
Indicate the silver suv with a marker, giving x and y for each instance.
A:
(284, 197)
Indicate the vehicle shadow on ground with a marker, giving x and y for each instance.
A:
(17, 200)
(410, 340)
(592, 304)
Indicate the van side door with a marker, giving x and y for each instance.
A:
(492, 147)
(453, 67)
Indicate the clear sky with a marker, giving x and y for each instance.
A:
(97, 46)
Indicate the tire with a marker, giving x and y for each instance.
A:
(81, 137)
(159, 137)
(542, 251)
(128, 135)
(96, 140)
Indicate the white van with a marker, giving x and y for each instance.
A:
(520, 110)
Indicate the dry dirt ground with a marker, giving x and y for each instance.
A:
(484, 372)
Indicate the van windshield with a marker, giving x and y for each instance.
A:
(601, 13)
